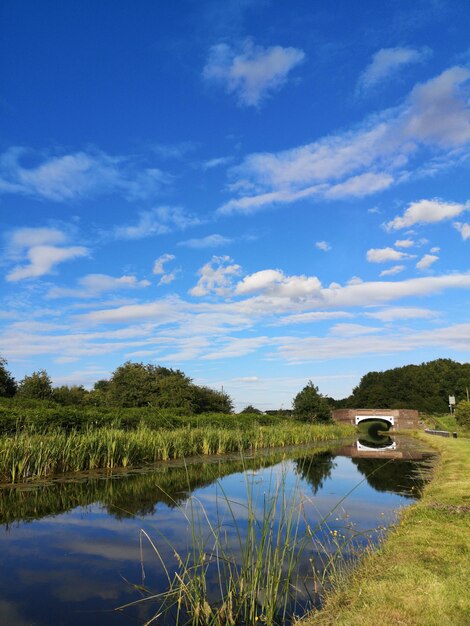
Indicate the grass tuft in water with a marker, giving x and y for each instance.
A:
(260, 563)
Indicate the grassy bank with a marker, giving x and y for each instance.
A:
(446, 422)
(26, 455)
(421, 575)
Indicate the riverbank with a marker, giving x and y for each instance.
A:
(25, 456)
(420, 576)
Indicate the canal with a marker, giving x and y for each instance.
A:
(77, 548)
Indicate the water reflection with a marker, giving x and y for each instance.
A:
(70, 548)
(315, 470)
(129, 494)
(373, 440)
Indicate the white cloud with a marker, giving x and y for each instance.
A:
(359, 186)
(216, 162)
(392, 271)
(383, 255)
(259, 281)
(174, 330)
(298, 350)
(279, 293)
(159, 269)
(352, 330)
(166, 279)
(237, 346)
(210, 241)
(355, 280)
(387, 62)
(402, 313)
(434, 119)
(158, 312)
(426, 261)
(77, 175)
(435, 250)
(43, 259)
(252, 72)
(93, 285)
(29, 237)
(158, 221)
(426, 212)
(158, 266)
(276, 283)
(322, 245)
(313, 316)
(269, 297)
(439, 112)
(216, 277)
(464, 229)
(404, 243)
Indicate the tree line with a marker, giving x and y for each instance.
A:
(131, 385)
(425, 387)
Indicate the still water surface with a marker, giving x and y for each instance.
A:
(70, 549)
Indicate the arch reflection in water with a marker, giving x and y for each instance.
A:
(373, 440)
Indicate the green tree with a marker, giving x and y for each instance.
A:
(98, 396)
(37, 386)
(251, 409)
(462, 413)
(309, 405)
(74, 395)
(207, 400)
(139, 384)
(132, 385)
(8, 384)
(425, 387)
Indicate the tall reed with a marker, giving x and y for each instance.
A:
(27, 455)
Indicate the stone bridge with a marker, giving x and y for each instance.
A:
(392, 419)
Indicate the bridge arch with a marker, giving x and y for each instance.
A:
(388, 419)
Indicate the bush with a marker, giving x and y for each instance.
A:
(462, 413)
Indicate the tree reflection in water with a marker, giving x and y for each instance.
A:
(316, 469)
(129, 494)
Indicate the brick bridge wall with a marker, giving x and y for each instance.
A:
(403, 418)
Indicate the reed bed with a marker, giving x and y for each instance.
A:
(170, 484)
(27, 455)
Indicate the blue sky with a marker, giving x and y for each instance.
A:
(258, 193)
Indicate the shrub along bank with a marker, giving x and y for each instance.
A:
(420, 576)
(39, 417)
